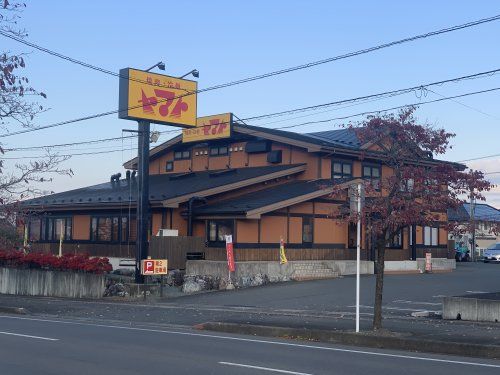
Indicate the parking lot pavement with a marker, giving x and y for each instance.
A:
(403, 294)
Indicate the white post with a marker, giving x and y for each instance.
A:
(61, 236)
(358, 256)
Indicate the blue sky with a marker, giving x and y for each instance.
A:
(229, 40)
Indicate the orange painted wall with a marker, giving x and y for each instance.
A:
(326, 167)
(302, 208)
(178, 222)
(156, 222)
(247, 231)
(272, 228)
(218, 162)
(321, 208)
(302, 156)
(200, 160)
(295, 230)
(199, 229)
(329, 231)
(81, 227)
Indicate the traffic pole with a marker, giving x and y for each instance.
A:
(142, 213)
(358, 256)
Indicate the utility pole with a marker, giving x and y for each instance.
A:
(473, 227)
(142, 213)
(358, 255)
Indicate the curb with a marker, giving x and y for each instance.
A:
(350, 338)
(13, 310)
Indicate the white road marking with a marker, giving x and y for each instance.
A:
(261, 341)
(263, 368)
(28, 336)
(388, 308)
(475, 292)
(416, 302)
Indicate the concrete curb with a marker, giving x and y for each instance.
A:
(13, 310)
(366, 340)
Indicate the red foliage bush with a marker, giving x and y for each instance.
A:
(68, 262)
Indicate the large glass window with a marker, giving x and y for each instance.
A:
(396, 241)
(179, 155)
(34, 229)
(52, 227)
(372, 173)
(341, 169)
(112, 229)
(307, 229)
(218, 230)
(218, 150)
(431, 236)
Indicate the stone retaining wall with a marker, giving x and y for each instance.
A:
(32, 282)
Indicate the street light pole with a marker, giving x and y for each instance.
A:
(358, 256)
(142, 214)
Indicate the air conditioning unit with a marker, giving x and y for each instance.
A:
(167, 233)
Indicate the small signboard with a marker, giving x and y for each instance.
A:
(209, 128)
(230, 253)
(157, 98)
(428, 262)
(153, 267)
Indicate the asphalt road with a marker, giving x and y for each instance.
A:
(51, 346)
(322, 304)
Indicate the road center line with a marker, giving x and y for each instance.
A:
(260, 341)
(28, 336)
(263, 368)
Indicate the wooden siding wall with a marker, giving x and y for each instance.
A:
(175, 249)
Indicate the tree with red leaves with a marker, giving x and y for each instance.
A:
(420, 189)
(18, 108)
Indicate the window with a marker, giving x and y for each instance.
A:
(34, 229)
(341, 169)
(52, 227)
(111, 229)
(218, 230)
(431, 236)
(352, 235)
(396, 241)
(372, 173)
(307, 229)
(218, 150)
(180, 155)
(169, 166)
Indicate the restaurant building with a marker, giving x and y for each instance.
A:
(260, 185)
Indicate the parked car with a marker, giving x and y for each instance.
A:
(492, 253)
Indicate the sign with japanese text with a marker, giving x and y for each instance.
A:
(428, 262)
(157, 98)
(152, 267)
(209, 128)
(230, 253)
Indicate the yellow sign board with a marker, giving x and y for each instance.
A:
(209, 128)
(154, 267)
(157, 98)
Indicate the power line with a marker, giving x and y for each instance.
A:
(481, 157)
(343, 117)
(282, 113)
(71, 155)
(245, 80)
(281, 71)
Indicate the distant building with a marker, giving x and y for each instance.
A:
(485, 217)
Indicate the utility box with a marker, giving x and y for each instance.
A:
(167, 233)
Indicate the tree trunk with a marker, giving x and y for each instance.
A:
(379, 285)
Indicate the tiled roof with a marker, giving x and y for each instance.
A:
(161, 187)
(482, 212)
(338, 137)
(248, 202)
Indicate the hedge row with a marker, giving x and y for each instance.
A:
(68, 262)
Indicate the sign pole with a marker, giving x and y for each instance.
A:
(358, 256)
(142, 213)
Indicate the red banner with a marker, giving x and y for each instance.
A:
(230, 253)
